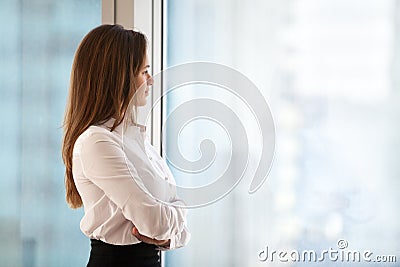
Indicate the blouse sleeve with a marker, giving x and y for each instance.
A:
(104, 163)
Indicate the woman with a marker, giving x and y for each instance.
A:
(108, 158)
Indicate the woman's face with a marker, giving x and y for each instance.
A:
(143, 81)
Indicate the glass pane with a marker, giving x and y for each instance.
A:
(329, 71)
(39, 39)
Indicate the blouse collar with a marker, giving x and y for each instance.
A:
(130, 129)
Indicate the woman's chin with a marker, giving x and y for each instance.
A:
(142, 103)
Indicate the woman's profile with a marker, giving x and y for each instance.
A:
(106, 153)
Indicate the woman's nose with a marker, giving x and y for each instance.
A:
(150, 80)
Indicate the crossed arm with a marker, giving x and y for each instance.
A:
(104, 163)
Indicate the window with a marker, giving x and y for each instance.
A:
(37, 48)
(329, 72)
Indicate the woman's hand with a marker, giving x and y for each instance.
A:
(148, 240)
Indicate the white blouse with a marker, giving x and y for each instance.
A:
(110, 170)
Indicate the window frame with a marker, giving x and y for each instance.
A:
(147, 17)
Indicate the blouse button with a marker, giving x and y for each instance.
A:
(166, 178)
(150, 158)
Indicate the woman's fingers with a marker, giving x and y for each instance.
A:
(135, 231)
(148, 240)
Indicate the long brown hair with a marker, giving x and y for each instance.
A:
(102, 83)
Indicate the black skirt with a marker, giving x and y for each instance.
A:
(136, 255)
